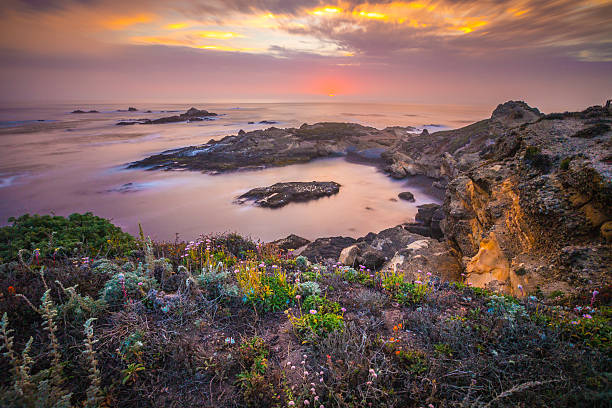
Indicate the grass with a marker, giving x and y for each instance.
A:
(223, 321)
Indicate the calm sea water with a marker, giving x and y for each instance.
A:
(52, 161)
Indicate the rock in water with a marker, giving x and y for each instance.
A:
(406, 195)
(192, 115)
(281, 194)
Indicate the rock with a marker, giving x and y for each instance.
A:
(425, 132)
(191, 115)
(371, 258)
(281, 194)
(522, 202)
(348, 256)
(291, 242)
(606, 231)
(272, 147)
(441, 155)
(425, 213)
(330, 248)
(132, 109)
(251, 123)
(267, 122)
(82, 111)
(406, 195)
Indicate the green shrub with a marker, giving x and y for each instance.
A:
(301, 262)
(86, 233)
(136, 288)
(306, 289)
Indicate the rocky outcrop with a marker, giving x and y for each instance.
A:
(326, 249)
(406, 195)
(281, 194)
(273, 147)
(427, 221)
(444, 154)
(291, 242)
(532, 211)
(82, 111)
(192, 115)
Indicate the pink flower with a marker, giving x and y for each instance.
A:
(298, 297)
(587, 316)
(343, 310)
(306, 402)
(291, 403)
(312, 311)
(140, 283)
(418, 282)
(428, 273)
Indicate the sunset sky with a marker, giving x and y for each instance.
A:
(554, 54)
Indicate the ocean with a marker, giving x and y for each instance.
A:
(55, 162)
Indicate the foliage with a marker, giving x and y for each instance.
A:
(267, 292)
(308, 288)
(125, 288)
(85, 233)
(318, 316)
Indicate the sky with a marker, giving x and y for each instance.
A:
(555, 54)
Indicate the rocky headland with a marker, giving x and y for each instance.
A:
(280, 194)
(277, 147)
(191, 115)
(527, 205)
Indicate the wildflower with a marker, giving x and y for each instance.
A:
(291, 403)
(320, 380)
(303, 362)
(305, 372)
(397, 352)
(312, 390)
(305, 356)
(428, 273)
(298, 297)
(587, 316)
(312, 311)
(306, 402)
(343, 310)
(574, 322)
(293, 367)
(140, 283)
(595, 293)
(320, 372)
(369, 383)
(418, 282)
(316, 398)
(11, 290)
(262, 265)
(288, 363)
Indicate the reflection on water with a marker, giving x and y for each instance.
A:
(75, 163)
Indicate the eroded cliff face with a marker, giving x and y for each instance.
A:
(535, 210)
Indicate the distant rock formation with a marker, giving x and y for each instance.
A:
(192, 115)
(281, 194)
(82, 111)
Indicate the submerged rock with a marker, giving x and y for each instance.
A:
(281, 194)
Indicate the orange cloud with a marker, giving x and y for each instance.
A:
(121, 23)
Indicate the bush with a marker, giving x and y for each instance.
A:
(124, 287)
(79, 232)
(309, 288)
(301, 262)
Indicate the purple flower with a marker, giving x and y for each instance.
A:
(574, 322)
(343, 310)
(418, 282)
(140, 283)
(587, 316)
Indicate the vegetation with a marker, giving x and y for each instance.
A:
(224, 321)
